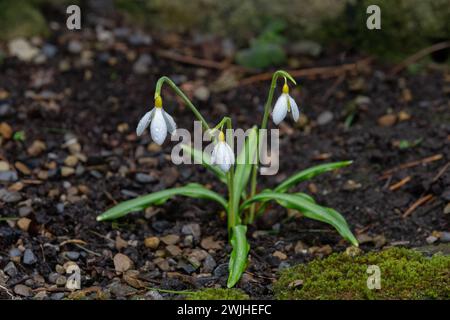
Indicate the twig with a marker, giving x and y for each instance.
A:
(411, 164)
(259, 276)
(101, 236)
(417, 204)
(110, 197)
(73, 241)
(441, 172)
(400, 184)
(193, 60)
(419, 55)
(325, 72)
(87, 250)
(8, 292)
(333, 88)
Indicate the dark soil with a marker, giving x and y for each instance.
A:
(90, 109)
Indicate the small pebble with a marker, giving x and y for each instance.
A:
(151, 242)
(170, 239)
(22, 290)
(29, 257)
(10, 269)
(72, 255)
(24, 224)
(144, 178)
(325, 118)
(122, 263)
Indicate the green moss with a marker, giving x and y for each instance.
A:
(20, 19)
(405, 274)
(218, 294)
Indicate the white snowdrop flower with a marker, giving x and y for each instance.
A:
(160, 123)
(222, 154)
(284, 104)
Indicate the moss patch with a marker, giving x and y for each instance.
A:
(218, 294)
(20, 19)
(405, 274)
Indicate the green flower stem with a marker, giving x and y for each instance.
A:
(181, 94)
(267, 107)
(232, 216)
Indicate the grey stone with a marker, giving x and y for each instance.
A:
(325, 118)
(22, 290)
(154, 295)
(75, 46)
(14, 252)
(209, 264)
(142, 64)
(144, 178)
(192, 229)
(138, 39)
(445, 236)
(57, 296)
(9, 196)
(10, 269)
(49, 50)
(5, 110)
(221, 270)
(72, 255)
(8, 176)
(307, 47)
(25, 211)
(29, 257)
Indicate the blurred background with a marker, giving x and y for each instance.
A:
(258, 33)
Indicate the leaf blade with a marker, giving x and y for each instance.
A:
(309, 209)
(309, 174)
(191, 190)
(238, 257)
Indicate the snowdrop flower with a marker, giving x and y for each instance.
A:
(160, 123)
(284, 104)
(222, 154)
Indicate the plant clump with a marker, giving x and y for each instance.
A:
(404, 274)
(218, 294)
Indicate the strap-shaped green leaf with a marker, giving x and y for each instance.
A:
(238, 258)
(244, 162)
(309, 209)
(205, 159)
(309, 174)
(192, 190)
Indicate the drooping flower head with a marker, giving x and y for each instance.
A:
(222, 154)
(285, 104)
(160, 122)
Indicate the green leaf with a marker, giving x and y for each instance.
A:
(192, 190)
(244, 167)
(309, 174)
(238, 258)
(309, 209)
(200, 156)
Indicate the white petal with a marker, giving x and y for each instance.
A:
(158, 128)
(214, 154)
(280, 109)
(294, 109)
(224, 156)
(171, 125)
(144, 122)
(230, 154)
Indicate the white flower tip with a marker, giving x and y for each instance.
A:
(158, 127)
(143, 123)
(223, 156)
(280, 109)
